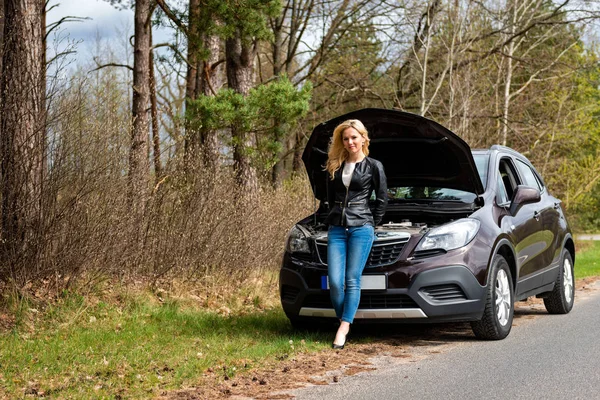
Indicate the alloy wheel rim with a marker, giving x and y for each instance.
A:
(503, 303)
(568, 280)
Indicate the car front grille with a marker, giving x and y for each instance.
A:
(367, 301)
(443, 293)
(382, 252)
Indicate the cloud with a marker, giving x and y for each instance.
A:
(105, 20)
(106, 24)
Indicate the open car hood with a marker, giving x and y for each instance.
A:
(414, 150)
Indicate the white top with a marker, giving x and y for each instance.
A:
(347, 173)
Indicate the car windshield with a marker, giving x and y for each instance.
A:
(416, 193)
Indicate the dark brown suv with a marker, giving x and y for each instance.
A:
(465, 235)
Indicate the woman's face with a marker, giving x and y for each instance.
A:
(353, 140)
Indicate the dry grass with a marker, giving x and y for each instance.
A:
(196, 236)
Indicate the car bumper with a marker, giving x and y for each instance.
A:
(446, 293)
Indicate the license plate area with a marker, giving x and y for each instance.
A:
(367, 282)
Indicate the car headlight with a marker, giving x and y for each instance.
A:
(297, 241)
(450, 236)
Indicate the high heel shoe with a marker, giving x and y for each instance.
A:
(340, 346)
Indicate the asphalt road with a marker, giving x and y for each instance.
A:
(549, 357)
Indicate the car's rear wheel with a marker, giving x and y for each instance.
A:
(562, 297)
(499, 306)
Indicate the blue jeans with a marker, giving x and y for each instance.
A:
(348, 249)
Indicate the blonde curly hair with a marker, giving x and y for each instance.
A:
(337, 153)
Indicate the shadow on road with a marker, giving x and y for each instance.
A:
(415, 334)
(424, 334)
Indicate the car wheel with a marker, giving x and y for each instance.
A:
(499, 304)
(562, 297)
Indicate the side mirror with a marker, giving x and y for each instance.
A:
(523, 195)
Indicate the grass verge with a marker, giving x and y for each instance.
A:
(587, 259)
(138, 349)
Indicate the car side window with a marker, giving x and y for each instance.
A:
(528, 175)
(540, 182)
(508, 176)
(501, 196)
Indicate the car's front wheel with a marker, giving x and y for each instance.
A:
(499, 306)
(562, 297)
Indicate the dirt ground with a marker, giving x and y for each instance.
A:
(388, 345)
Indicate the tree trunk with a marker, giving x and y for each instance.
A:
(278, 169)
(193, 57)
(210, 83)
(298, 149)
(2, 24)
(201, 79)
(154, 116)
(1, 34)
(240, 77)
(192, 139)
(138, 154)
(22, 129)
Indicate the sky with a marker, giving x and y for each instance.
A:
(106, 22)
(104, 18)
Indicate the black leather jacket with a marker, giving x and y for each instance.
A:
(350, 206)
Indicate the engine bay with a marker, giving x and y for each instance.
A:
(403, 226)
(401, 229)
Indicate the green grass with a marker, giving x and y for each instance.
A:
(74, 350)
(587, 260)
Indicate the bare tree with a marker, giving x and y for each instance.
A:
(330, 21)
(518, 51)
(170, 101)
(288, 31)
(202, 76)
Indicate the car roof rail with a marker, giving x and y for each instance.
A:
(506, 149)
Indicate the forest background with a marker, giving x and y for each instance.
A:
(180, 161)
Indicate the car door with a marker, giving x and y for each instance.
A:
(524, 228)
(547, 209)
(554, 221)
(556, 226)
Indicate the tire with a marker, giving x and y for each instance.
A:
(562, 297)
(497, 318)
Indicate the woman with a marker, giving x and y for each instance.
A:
(354, 176)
